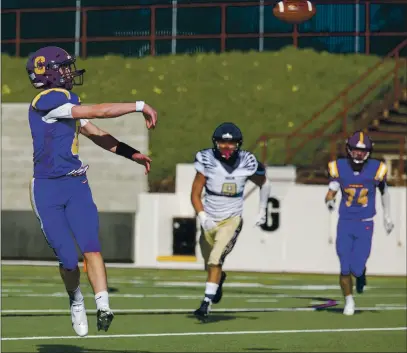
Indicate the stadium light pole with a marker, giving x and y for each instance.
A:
(261, 25)
(77, 27)
(357, 26)
(174, 27)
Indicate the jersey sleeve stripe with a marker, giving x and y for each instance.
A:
(381, 171)
(333, 169)
(39, 95)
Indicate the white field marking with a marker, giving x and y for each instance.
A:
(392, 304)
(188, 311)
(10, 284)
(150, 270)
(22, 293)
(134, 281)
(265, 300)
(7, 283)
(367, 329)
(24, 278)
(176, 278)
(128, 279)
(16, 291)
(112, 295)
(245, 277)
(317, 287)
(55, 264)
(174, 283)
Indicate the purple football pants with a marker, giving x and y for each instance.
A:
(353, 245)
(66, 212)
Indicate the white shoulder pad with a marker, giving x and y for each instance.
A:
(249, 162)
(198, 164)
(205, 161)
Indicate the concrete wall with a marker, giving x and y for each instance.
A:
(304, 240)
(22, 237)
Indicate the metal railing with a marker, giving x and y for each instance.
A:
(222, 36)
(349, 101)
(336, 147)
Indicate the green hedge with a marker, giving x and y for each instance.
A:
(261, 92)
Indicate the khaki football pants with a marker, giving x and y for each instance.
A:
(219, 242)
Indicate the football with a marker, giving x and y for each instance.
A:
(294, 11)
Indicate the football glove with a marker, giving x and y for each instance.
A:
(388, 224)
(261, 217)
(207, 223)
(330, 204)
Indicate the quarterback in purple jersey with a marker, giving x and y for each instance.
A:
(60, 194)
(357, 177)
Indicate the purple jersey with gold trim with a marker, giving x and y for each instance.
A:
(358, 188)
(55, 140)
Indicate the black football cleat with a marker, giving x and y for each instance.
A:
(361, 282)
(104, 318)
(218, 296)
(202, 312)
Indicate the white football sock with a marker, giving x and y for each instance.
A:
(102, 300)
(210, 290)
(76, 295)
(349, 298)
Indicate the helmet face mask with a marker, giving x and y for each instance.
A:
(70, 76)
(359, 147)
(226, 148)
(358, 155)
(53, 67)
(227, 140)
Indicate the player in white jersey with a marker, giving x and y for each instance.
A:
(223, 171)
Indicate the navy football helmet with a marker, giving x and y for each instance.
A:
(359, 147)
(53, 67)
(227, 140)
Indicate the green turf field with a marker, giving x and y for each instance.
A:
(259, 313)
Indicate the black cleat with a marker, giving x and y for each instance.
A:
(218, 296)
(361, 282)
(104, 319)
(202, 312)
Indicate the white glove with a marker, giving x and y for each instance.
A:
(207, 223)
(261, 217)
(388, 224)
(331, 205)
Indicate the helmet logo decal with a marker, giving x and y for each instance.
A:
(227, 136)
(39, 65)
(361, 137)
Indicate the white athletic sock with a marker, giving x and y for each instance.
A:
(102, 300)
(210, 290)
(349, 298)
(76, 295)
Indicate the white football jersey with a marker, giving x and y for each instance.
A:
(225, 184)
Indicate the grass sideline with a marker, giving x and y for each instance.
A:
(261, 92)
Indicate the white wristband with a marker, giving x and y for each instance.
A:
(139, 106)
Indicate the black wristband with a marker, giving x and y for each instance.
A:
(125, 150)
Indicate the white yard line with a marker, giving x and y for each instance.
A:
(23, 293)
(264, 300)
(307, 287)
(229, 333)
(188, 311)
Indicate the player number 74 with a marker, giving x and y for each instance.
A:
(362, 198)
